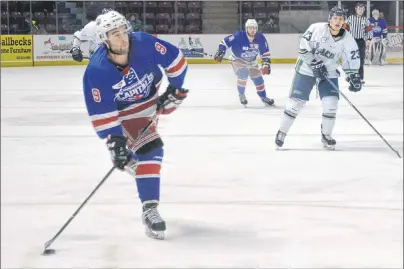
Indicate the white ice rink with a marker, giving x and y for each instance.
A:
(229, 198)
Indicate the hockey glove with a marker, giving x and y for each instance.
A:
(77, 55)
(319, 69)
(355, 84)
(119, 153)
(266, 67)
(219, 56)
(170, 100)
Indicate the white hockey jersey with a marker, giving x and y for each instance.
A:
(87, 34)
(318, 43)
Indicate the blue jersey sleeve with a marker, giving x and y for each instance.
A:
(100, 103)
(264, 48)
(228, 41)
(171, 59)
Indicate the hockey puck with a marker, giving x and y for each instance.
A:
(49, 251)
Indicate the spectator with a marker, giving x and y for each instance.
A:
(35, 29)
(135, 23)
(381, 14)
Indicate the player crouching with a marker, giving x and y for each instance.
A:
(246, 47)
(121, 85)
(320, 49)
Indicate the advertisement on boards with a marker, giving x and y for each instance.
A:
(394, 47)
(55, 48)
(16, 50)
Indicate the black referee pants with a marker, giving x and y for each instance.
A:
(362, 51)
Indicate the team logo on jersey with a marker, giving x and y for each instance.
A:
(376, 28)
(132, 88)
(326, 53)
(324, 39)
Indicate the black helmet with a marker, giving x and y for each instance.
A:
(359, 4)
(336, 11)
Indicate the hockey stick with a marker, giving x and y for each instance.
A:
(210, 55)
(206, 54)
(363, 117)
(47, 250)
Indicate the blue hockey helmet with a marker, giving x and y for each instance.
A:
(336, 11)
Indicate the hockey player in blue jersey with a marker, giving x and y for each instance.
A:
(121, 85)
(246, 46)
(379, 35)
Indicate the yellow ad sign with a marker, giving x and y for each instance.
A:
(16, 50)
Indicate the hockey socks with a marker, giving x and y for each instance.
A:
(260, 86)
(148, 174)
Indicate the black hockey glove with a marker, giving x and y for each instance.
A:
(266, 67)
(355, 84)
(119, 153)
(170, 100)
(219, 56)
(77, 55)
(319, 69)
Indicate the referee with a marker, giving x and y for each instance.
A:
(359, 27)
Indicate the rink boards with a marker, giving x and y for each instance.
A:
(54, 50)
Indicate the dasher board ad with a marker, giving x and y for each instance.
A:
(16, 50)
(56, 48)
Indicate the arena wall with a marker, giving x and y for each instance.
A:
(53, 50)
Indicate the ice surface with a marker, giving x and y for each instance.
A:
(229, 199)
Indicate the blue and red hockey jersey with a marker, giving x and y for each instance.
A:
(242, 48)
(379, 27)
(113, 97)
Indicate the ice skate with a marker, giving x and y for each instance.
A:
(267, 101)
(155, 225)
(279, 139)
(328, 142)
(243, 99)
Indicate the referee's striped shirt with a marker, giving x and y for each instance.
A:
(359, 26)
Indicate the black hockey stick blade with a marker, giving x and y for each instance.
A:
(48, 251)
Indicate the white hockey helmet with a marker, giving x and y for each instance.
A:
(109, 21)
(251, 23)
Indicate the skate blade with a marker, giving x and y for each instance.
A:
(159, 235)
(268, 105)
(329, 147)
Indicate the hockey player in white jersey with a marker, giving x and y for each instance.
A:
(321, 46)
(88, 33)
